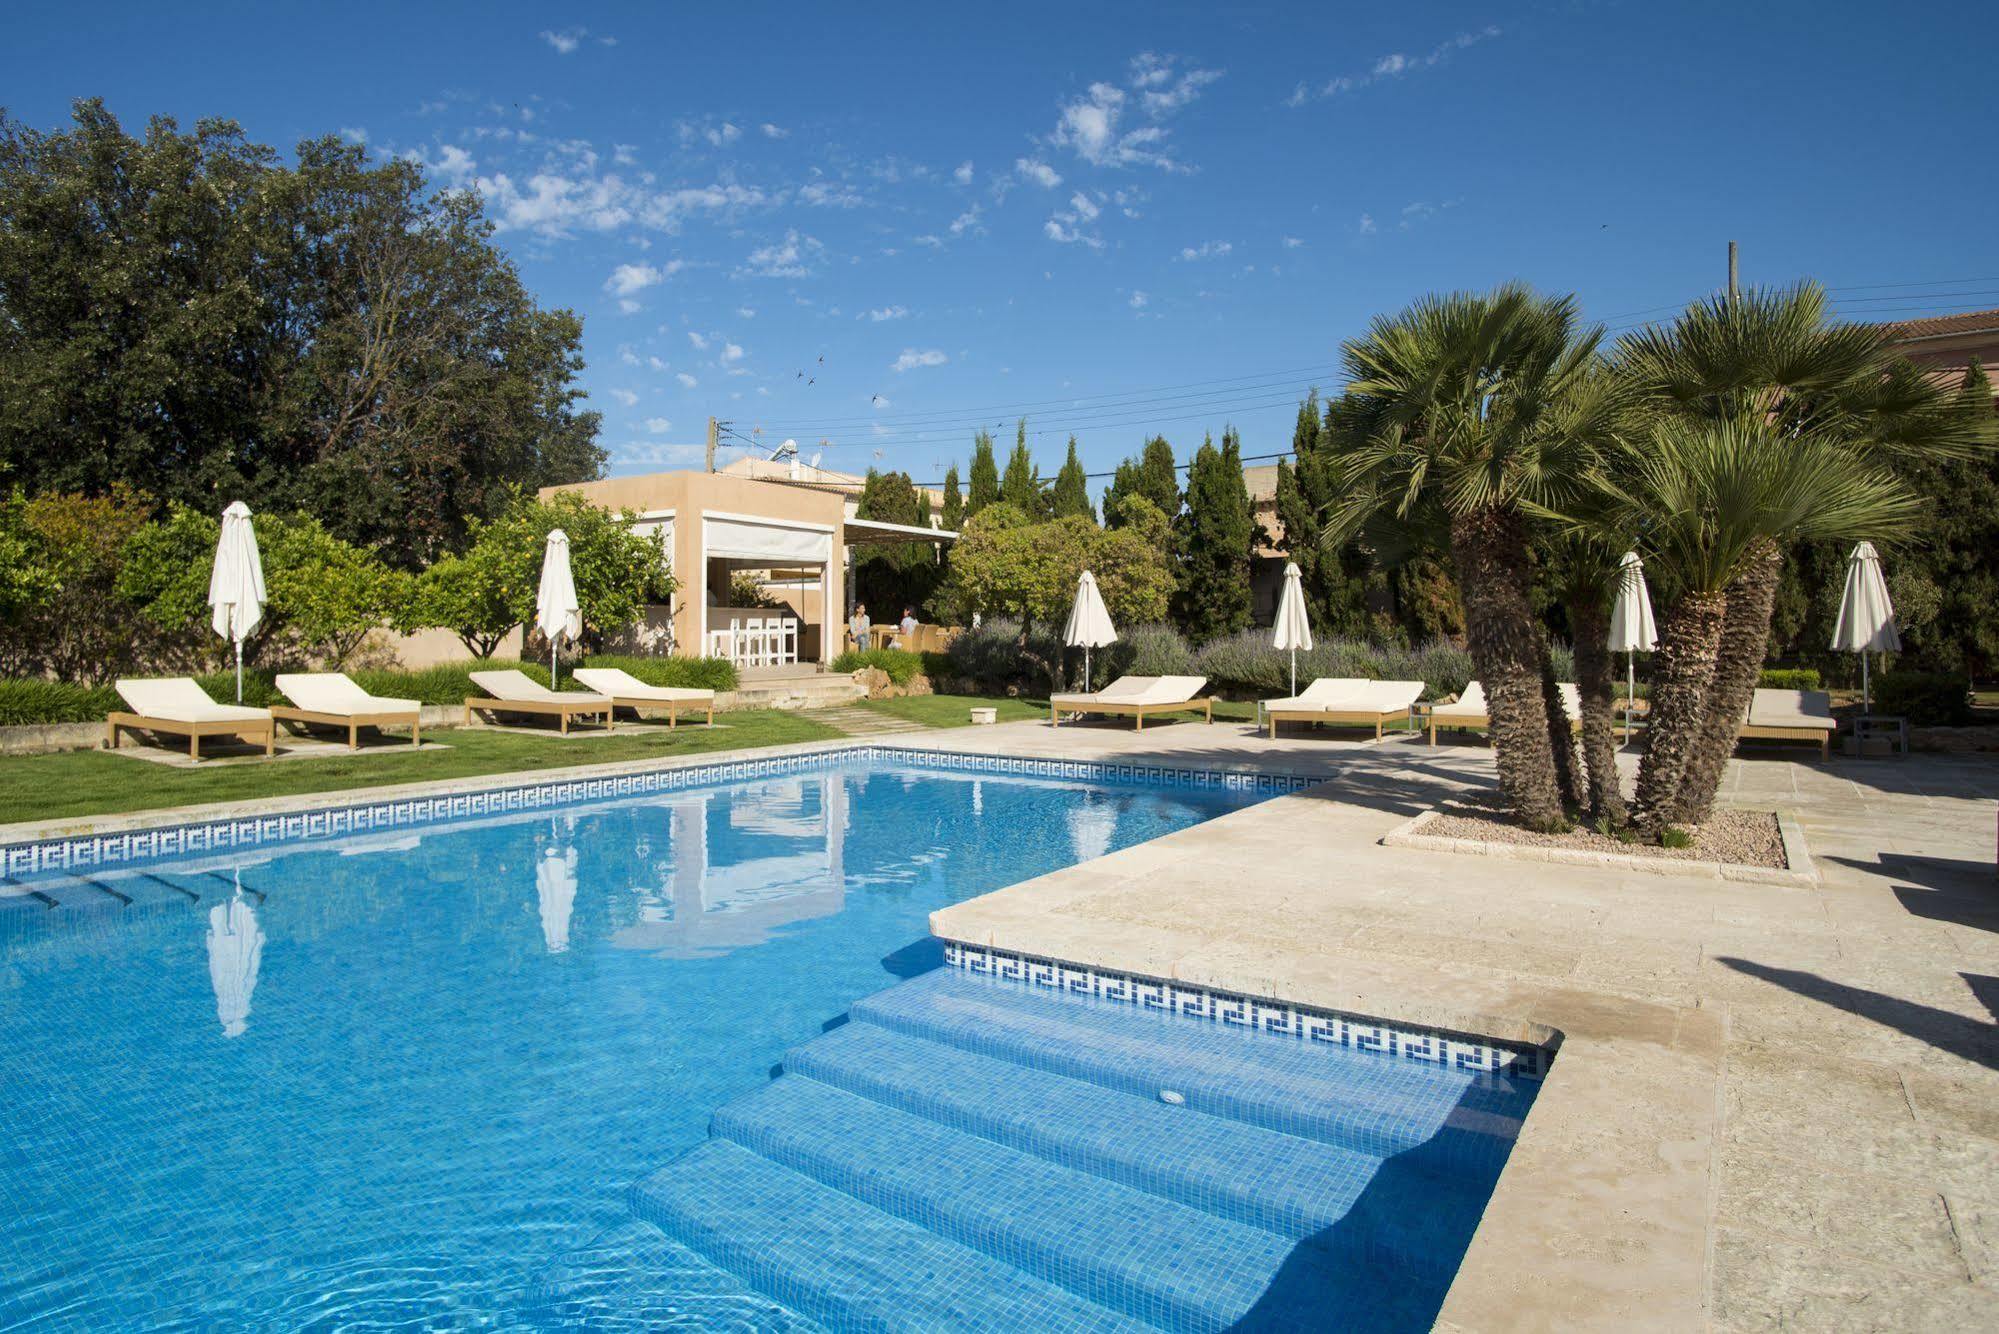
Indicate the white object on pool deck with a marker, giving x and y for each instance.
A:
(1632, 630)
(1471, 709)
(986, 715)
(1089, 622)
(1791, 715)
(556, 610)
(1135, 697)
(1349, 699)
(236, 583)
(1294, 628)
(514, 691)
(334, 700)
(627, 691)
(177, 705)
(1866, 616)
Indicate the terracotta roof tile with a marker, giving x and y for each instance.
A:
(1976, 321)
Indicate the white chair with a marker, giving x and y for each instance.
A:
(756, 634)
(787, 639)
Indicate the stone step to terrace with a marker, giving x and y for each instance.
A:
(865, 722)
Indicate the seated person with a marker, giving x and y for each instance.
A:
(858, 626)
(904, 628)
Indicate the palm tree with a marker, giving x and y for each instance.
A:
(1464, 404)
(1771, 358)
(1706, 500)
(1585, 571)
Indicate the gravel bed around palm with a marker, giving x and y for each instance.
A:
(1742, 838)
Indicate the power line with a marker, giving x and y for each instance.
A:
(1072, 425)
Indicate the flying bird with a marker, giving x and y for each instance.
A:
(875, 398)
(809, 383)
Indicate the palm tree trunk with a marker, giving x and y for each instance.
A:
(1745, 639)
(1489, 548)
(1596, 680)
(1561, 739)
(1682, 669)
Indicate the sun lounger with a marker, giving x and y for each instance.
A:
(177, 706)
(331, 699)
(1136, 697)
(626, 691)
(518, 693)
(1791, 715)
(1471, 711)
(1351, 700)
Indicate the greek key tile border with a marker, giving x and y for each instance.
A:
(1232, 1010)
(95, 851)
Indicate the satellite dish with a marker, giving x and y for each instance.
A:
(818, 456)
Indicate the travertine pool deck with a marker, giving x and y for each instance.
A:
(1773, 1106)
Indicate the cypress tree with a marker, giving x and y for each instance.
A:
(954, 503)
(1151, 475)
(1334, 581)
(985, 475)
(1019, 487)
(1071, 494)
(1215, 536)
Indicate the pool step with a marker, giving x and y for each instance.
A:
(1147, 1257)
(845, 1264)
(1375, 1106)
(632, 1278)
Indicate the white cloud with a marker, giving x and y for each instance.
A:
(1067, 226)
(1422, 211)
(785, 259)
(1096, 126)
(625, 155)
(1161, 92)
(771, 131)
(1366, 225)
(884, 313)
(911, 358)
(1391, 66)
(566, 41)
(658, 425)
(354, 134)
(880, 401)
(745, 312)
(629, 279)
(1085, 209)
(1206, 250)
(935, 242)
(716, 134)
(1043, 175)
(963, 175)
(629, 306)
(686, 381)
(560, 200)
(1293, 242)
(731, 353)
(968, 221)
(1138, 300)
(452, 163)
(700, 341)
(657, 453)
(627, 357)
(822, 194)
(625, 397)
(656, 363)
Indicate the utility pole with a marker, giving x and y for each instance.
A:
(1733, 289)
(714, 433)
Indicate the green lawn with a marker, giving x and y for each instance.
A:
(956, 710)
(91, 782)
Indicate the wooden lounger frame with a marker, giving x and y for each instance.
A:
(673, 707)
(1822, 735)
(354, 722)
(1135, 711)
(560, 709)
(1482, 722)
(250, 729)
(1344, 717)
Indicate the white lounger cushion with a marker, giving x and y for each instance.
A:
(518, 686)
(1172, 689)
(335, 692)
(617, 681)
(1472, 703)
(178, 699)
(1138, 690)
(1792, 708)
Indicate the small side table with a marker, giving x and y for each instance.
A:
(1892, 731)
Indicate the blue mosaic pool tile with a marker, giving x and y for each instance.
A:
(1260, 1014)
(846, 1264)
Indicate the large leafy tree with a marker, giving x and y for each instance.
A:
(891, 576)
(1216, 533)
(1462, 407)
(1070, 495)
(187, 315)
(985, 483)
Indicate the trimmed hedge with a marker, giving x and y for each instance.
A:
(1927, 699)
(1789, 678)
(30, 701)
(900, 664)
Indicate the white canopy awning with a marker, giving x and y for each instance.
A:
(751, 539)
(864, 532)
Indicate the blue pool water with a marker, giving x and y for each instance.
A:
(411, 1078)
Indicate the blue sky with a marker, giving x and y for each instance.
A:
(886, 228)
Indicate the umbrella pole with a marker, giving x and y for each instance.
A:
(1294, 673)
(1866, 687)
(1086, 669)
(1630, 690)
(239, 671)
(553, 682)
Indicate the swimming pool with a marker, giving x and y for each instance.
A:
(390, 1077)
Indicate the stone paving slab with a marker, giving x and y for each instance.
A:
(1773, 1105)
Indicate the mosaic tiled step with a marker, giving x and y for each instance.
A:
(632, 1278)
(845, 1264)
(1298, 1188)
(1162, 1262)
(1375, 1106)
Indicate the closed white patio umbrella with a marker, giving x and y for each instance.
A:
(1866, 616)
(236, 584)
(1089, 622)
(235, 952)
(1294, 627)
(555, 608)
(1631, 627)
